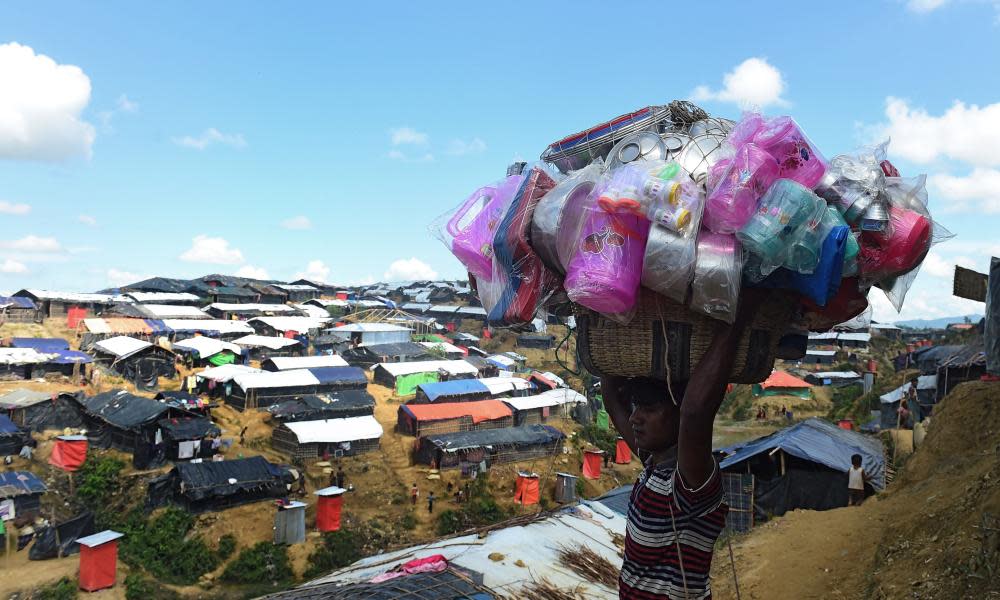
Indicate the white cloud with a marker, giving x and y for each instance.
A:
(463, 147)
(87, 220)
(409, 269)
(979, 191)
(925, 6)
(118, 277)
(212, 250)
(210, 137)
(126, 105)
(397, 155)
(968, 133)
(752, 83)
(9, 208)
(407, 135)
(299, 222)
(40, 107)
(10, 265)
(316, 271)
(936, 265)
(32, 244)
(251, 272)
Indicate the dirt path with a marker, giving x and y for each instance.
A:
(18, 574)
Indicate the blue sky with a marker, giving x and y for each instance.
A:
(189, 138)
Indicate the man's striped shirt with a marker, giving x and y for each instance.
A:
(662, 512)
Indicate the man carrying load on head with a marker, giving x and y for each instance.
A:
(676, 509)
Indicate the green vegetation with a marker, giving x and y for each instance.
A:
(844, 399)
(64, 589)
(98, 478)
(408, 522)
(480, 510)
(603, 439)
(262, 563)
(138, 587)
(339, 549)
(161, 546)
(336, 311)
(227, 545)
(738, 404)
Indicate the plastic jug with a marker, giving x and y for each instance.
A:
(715, 290)
(734, 199)
(797, 157)
(786, 211)
(900, 249)
(474, 224)
(606, 267)
(657, 190)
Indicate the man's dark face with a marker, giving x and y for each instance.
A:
(655, 425)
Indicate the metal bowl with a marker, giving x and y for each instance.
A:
(598, 141)
(700, 153)
(642, 146)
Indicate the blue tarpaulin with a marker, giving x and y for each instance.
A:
(342, 375)
(820, 442)
(17, 301)
(158, 326)
(7, 426)
(41, 344)
(69, 357)
(19, 483)
(457, 387)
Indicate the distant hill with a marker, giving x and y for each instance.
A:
(937, 323)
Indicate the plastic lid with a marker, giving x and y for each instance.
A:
(670, 171)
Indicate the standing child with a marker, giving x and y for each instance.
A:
(414, 493)
(430, 502)
(856, 478)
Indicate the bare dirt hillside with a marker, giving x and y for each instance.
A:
(934, 534)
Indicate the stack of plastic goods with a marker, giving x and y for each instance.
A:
(693, 208)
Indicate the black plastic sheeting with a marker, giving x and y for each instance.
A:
(799, 488)
(376, 353)
(448, 584)
(530, 435)
(187, 428)
(991, 331)
(216, 485)
(45, 546)
(60, 413)
(12, 437)
(334, 405)
(124, 410)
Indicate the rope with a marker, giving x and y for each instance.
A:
(677, 542)
(666, 349)
(569, 332)
(732, 561)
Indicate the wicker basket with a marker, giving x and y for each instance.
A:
(647, 346)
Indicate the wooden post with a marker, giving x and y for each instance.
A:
(56, 530)
(782, 455)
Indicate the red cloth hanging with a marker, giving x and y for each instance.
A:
(526, 489)
(328, 513)
(98, 566)
(68, 455)
(623, 454)
(592, 460)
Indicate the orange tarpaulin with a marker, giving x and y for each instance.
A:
(68, 454)
(780, 379)
(526, 489)
(623, 454)
(481, 410)
(328, 512)
(98, 566)
(592, 460)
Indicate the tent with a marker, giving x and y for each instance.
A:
(504, 363)
(12, 437)
(202, 351)
(38, 411)
(819, 357)
(556, 403)
(623, 454)
(368, 355)
(543, 341)
(215, 381)
(185, 438)
(446, 349)
(290, 523)
(126, 422)
(99, 560)
(335, 437)
(526, 489)
(592, 460)
(286, 363)
(446, 417)
(135, 360)
(328, 507)
(333, 405)
(780, 383)
(405, 377)
(61, 540)
(834, 378)
(456, 390)
(20, 495)
(926, 388)
(489, 446)
(217, 485)
(804, 466)
(262, 346)
(967, 364)
(260, 390)
(61, 360)
(69, 452)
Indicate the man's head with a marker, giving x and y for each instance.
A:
(856, 460)
(655, 420)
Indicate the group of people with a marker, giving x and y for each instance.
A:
(784, 413)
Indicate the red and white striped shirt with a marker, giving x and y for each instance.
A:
(663, 513)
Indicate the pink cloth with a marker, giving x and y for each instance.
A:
(431, 564)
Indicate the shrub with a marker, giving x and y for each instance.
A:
(227, 545)
(339, 549)
(448, 522)
(480, 510)
(138, 587)
(604, 439)
(160, 547)
(408, 522)
(261, 563)
(64, 589)
(98, 477)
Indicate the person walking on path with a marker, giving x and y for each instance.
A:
(430, 502)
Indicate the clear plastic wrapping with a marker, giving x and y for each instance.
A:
(715, 289)
(849, 302)
(520, 282)
(605, 268)
(556, 220)
(733, 199)
(669, 264)
(786, 213)
(782, 138)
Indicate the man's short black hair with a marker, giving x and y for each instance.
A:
(648, 391)
(856, 459)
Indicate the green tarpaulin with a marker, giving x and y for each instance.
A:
(406, 385)
(222, 358)
(603, 422)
